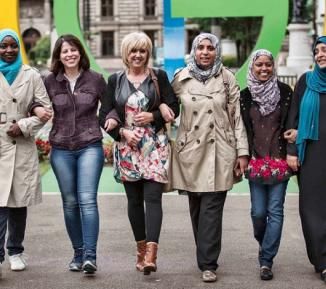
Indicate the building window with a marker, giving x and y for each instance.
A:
(152, 35)
(107, 8)
(107, 43)
(149, 8)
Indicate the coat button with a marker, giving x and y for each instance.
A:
(182, 143)
(212, 140)
(13, 121)
(210, 111)
(193, 98)
(195, 112)
(209, 97)
(14, 100)
(196, 127)
(198, 141)
(13, 142)
(211, 125)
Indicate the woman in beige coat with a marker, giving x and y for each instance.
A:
(20, 181)
(211, 145)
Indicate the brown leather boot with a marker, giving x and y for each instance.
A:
(141, 250)
(150, 258)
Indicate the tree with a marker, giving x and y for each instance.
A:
(40, 53)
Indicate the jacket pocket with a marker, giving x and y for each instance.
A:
(180, 143)
(60, 98)
(230, 138)
(86, 96)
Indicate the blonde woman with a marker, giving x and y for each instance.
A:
(141, 150)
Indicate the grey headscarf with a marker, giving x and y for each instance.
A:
(266, 94)
(197, 72)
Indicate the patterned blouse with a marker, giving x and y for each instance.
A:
(149, 160)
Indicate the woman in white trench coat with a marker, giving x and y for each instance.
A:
(20, 183)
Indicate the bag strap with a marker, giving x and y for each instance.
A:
(230, 109)
(155, 80)
(227, 87)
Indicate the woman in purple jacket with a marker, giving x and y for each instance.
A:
(77, 153)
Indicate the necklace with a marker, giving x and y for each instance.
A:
(137, 79)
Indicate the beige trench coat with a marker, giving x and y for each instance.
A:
(206, 147)
(20, 182)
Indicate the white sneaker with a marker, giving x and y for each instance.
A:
(17, 262)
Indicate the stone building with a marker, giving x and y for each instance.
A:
(105, 22)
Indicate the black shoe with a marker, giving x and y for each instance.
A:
(266, 273)
(89, 267)
(323, 276)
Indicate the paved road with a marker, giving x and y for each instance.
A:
(49, 251)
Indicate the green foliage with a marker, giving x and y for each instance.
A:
(40, 53)
(229, 61)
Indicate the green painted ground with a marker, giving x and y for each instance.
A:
(109, 185)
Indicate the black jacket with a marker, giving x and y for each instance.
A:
(246, 103)
(118, 91)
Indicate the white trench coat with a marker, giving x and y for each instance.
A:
(20, 182)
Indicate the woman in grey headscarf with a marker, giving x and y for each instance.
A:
(211, 143)
(264, 108)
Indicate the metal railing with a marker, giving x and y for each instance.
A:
(290, 80)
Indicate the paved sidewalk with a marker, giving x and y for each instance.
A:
(49, 251)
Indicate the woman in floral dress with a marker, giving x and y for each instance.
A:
(130, 112)
(264, 108)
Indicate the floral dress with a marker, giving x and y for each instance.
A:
(150, 159)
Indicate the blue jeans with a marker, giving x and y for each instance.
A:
(78, 174)
(267, 204)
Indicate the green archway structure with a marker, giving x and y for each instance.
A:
(66, 18)
(273, 12)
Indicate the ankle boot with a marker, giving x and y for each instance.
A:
(141, 250)
(150, 258)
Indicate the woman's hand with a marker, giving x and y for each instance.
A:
(241, 165)
(43, 113)
(132, 137)
(291, 135)
(167, 112)
(143, 118)
(14, 130)
(110, 124)
(293, 162)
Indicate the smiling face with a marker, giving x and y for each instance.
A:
(69, 56)
(320, 55)
(9, 49)
(205, 54)
(263, 68)
(137, 58)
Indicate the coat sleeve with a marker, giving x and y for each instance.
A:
(239, 128)
(167, 96)
(108, 109)
(31, 125)
(293, 116)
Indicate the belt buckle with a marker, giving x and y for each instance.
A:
(3, 117)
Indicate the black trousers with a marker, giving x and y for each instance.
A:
(15, 220)
(206, 212)
(146, 221)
